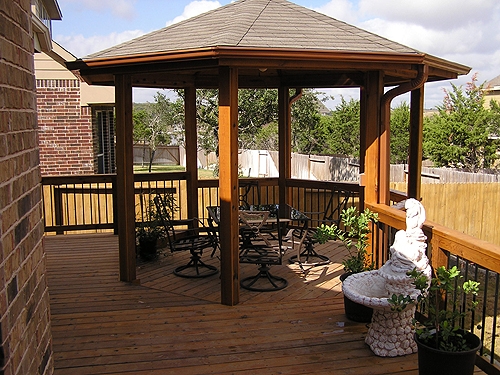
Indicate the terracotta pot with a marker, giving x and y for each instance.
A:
(433, 361)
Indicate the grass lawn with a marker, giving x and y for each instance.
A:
(202, 173)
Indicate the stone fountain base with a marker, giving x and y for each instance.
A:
(391, 332)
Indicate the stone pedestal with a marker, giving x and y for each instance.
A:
(391, 333)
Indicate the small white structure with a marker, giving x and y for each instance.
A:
(391, 332)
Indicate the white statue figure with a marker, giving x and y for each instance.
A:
(408, 249)
(391, 332)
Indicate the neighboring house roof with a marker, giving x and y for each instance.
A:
(52, 66)
(494, 84)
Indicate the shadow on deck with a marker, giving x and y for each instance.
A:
(172, 325)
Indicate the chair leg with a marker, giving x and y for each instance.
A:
(277, 283)
(201, 269)
(309, 255)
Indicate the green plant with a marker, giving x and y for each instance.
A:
(354, 236)
(440, 329)
(150, 229)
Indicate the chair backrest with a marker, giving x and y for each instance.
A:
(269, 242)
(341, 198)
(165, 219)
(213, 215)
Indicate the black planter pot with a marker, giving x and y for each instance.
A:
(432, 361)
(355, 311)
(147, 248)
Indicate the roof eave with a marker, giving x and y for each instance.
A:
(257, 57)
(222, 52)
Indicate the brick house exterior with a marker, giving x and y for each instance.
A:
(25, 346)
(76, 121)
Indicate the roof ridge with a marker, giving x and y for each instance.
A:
(347, 27)
(253, 23)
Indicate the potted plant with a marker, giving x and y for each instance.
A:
(354, 235)
(443, 347)
(149, 231)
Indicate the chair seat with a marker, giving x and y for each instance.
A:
(190, 239)
(193, 243)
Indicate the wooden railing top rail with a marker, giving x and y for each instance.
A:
(313, 184)
(78, 179)
(473, 249)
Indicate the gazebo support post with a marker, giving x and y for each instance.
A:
(125, 178)
(371, 95)
(416, 139)
(191, 136)
(228, 185)
(285, 143)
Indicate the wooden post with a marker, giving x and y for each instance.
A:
(228, 185)
(125, 177)
(416, 139)
(371, 95)
(285, 143)
(191, 136)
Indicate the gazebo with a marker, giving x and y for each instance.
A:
(262, 44)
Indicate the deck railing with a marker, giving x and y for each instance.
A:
(76, 203)
(478, 260)
(86, 203)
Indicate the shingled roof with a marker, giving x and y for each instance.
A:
(292, 44)
(257, 24)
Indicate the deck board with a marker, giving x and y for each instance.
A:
(172, 325)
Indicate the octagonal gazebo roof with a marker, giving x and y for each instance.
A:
(280, 38)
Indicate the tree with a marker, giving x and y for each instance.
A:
(257, 109)
(258, 117)
(341, 129)
(459, 135)
(157, 123)
(307, 136)
(400, 133)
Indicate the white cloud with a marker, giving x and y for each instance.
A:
(341, 10)
(442, 14)
(81, 46)
(194, 8)
(466, 33)
(120, 8)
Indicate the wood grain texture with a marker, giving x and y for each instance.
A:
(171, 325)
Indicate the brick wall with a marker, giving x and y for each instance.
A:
(66, 145)
(24, 302)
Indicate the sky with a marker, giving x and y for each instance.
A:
(466, 32)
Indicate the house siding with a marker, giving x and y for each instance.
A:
(25, 332)
(66, 144)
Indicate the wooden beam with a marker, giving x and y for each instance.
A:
(191, 136)
(285, 146)
(416, 140)
(125, 178)
(371, 95)
(384, 159)
(228, 185)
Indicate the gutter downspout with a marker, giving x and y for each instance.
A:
(385, 134)
(296, 96)
(285, 149)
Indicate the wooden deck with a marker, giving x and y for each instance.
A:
(173, 325)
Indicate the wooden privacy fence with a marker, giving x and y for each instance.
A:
(470, 208)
